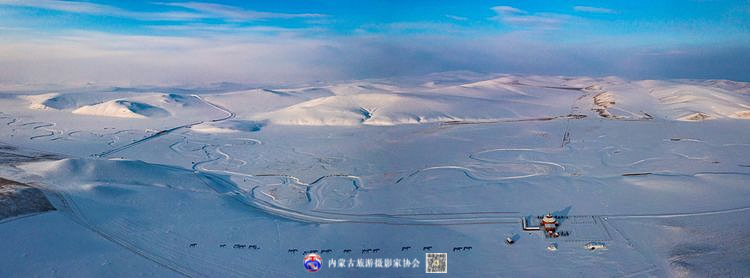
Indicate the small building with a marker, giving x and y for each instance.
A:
(525, 227)
(595, 246)
(549, 223)
(552, 247)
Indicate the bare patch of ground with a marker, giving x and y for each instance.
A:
(602, 101)
(17, 199)
(11, 154)
(741, 115)
(695, 117)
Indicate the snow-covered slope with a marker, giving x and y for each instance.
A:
(394, 109)
(248, 103)
(122, 108)
(668, 100)
(50, 101)
(691, 103)
(82, 174)
(357, 109)
(180, 182)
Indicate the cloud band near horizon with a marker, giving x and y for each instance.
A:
(197, 42)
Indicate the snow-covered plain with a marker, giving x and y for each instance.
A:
(657, 170)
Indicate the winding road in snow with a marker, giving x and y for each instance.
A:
(229, 113)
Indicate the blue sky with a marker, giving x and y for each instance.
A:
(285, 41)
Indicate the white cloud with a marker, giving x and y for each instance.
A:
(532, 20)
(409, 26)
(103, 58)
(236, 52)
(66, 6)
(233, 28)
(82, 57)
(588, 9)
(233, 13)
(513, 16)
(455, 17)
(507, 10)
(191, 11)
(99, 9)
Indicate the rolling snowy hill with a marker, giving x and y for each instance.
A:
(171, 182)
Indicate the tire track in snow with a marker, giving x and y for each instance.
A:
(120, 234)
(143, 140)
(71, 209)
(441, 219)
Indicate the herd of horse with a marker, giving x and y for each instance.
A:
(328, 251)
(236, 246)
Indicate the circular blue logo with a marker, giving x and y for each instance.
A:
(313, 262)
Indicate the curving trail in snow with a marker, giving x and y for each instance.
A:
(230, 113)
(160, 133)
(373, 218)
(495, 170)
(7, 118)
(46, 127)
(251, 198)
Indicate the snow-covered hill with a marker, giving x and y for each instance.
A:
(172, 182)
